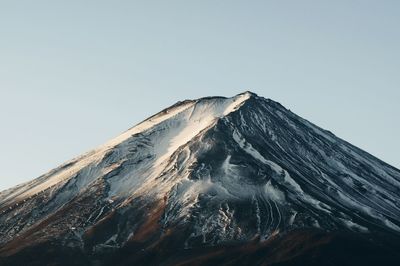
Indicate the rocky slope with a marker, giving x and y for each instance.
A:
(204, 180)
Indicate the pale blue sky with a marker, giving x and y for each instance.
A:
(74, 74)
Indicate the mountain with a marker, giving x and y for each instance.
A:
(217, 180)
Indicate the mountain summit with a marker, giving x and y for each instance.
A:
(238, 180)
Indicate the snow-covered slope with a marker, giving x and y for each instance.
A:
(213, 171)
(170, 128)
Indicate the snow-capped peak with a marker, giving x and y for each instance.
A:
(223, 169)
(197, 114)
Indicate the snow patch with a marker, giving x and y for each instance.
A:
(274, 193)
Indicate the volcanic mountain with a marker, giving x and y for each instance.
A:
(235, 181)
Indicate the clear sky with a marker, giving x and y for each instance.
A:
(74, 74)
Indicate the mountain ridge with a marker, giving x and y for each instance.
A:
(207, 173)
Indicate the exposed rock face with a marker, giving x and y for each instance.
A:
(202, 181)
